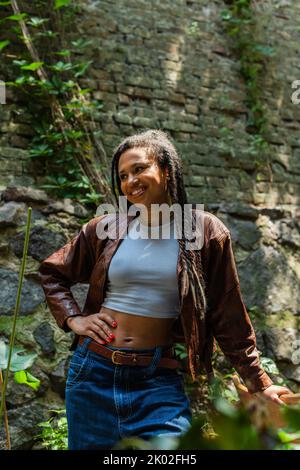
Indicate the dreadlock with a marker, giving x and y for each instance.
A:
(158, 143)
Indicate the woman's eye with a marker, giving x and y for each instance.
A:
(122, 177)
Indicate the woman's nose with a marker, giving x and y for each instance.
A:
(132, 179)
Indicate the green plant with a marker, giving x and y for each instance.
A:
(10, 354)
(180, 350)
(47, 72)
(54, 433)
(19, 364)
(241, 24)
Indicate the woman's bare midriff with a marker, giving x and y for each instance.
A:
(136, 331)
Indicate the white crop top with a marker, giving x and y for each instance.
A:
(142, 275)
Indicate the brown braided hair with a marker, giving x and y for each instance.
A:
(157, 142)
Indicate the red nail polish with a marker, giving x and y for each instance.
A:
(111, 336)
(114, 324)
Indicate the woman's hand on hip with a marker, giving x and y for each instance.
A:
(96, 326)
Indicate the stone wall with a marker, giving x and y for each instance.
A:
(171, 65)
(53, 223)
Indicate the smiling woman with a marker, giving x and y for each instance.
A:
(142, 180)
(145, 294)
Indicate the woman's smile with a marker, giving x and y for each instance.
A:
(138, 192)
(139, 173)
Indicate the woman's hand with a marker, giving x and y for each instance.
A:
(274, 392)
(95, 326)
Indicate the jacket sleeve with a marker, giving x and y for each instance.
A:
(228, 317)
(69, 265)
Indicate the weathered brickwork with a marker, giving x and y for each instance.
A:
(168, 65)
(171, 65)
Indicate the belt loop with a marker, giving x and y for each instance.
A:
(84, 345)
(155, 360)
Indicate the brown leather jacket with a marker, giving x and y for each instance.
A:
(86, 258)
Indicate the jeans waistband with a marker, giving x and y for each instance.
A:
(157, 352)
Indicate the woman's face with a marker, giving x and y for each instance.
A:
(142, 180)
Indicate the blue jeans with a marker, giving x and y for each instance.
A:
(106, 402)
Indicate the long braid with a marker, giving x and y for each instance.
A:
(166, 155)
(192, 277)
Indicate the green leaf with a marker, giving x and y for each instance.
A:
(35, 21)
(265, 50)
(47, 34)
(61, 3)
(4, 4)
(80, 43)
(19, 17)
(63, 52)
(24, 377)
(20, 80)
(226, 15)
(33, 66)
(84, 91)
(285, 436)
(3, 44)
(82, 68)
(18, 361)
(20, 62)
(41, 151)
(61, 66)
(292, 416)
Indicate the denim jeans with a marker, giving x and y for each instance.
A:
(106, 402)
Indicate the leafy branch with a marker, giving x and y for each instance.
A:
(66, 128)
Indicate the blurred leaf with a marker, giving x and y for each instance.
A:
(80, 43)
(226, 15)
(61, 3)
(19, 17)
(82, 68)
(40, 151)
(285, 436)
(3, 44)
(24, 377)
(18, 361)
(133, 443)
(48, 34)
(33, 66)
(36, 21)
(292, 416)
(265, 50)
(20, 63)
(225, 408)
(64, 52)
(61, 66)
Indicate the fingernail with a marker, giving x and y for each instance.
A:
(111, 336)
(114, 324)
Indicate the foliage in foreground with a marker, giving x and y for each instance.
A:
(227, 425)
(54, 431)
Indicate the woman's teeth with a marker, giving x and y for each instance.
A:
(138, 192)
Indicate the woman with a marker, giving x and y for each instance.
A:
(145, 294)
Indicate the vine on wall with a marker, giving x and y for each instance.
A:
(45, 66)
(241, 24)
